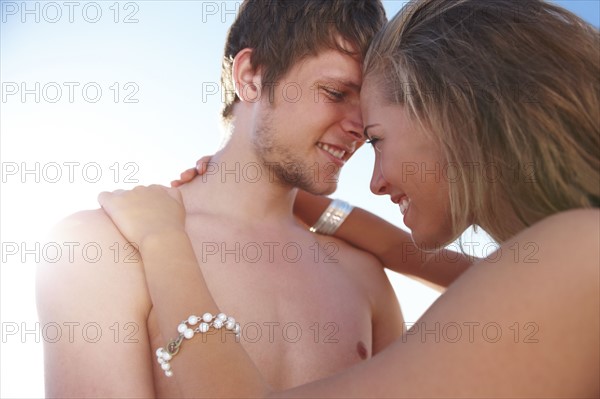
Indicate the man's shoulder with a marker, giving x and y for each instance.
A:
(350, 254)
(90, 287)
(89, 242)
(88, 222)
(359, 264)
(93, 263)
(89, 229)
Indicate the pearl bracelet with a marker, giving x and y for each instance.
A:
(332, 218)
(164, 356)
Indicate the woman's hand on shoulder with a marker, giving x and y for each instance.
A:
(191, 173)
(144, 211)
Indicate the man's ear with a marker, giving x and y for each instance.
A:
(247, 79)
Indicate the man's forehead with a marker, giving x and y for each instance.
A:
(336, 66)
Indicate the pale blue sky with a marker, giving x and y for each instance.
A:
(152, 62)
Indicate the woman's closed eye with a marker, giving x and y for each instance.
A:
(373, 140)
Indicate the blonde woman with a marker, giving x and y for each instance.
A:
(502, 98)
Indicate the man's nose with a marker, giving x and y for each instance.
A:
(352, 123)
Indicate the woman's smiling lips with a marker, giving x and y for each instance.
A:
(403, 201)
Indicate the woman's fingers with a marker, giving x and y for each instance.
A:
(202, 164)
(185, 177)
(189, 174)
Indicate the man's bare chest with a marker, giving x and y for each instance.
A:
(303, 315)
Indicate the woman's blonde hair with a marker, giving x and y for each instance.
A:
(510, 89)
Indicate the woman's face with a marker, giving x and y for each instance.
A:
(408, 167)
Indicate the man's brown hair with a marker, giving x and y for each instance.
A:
(282, 32)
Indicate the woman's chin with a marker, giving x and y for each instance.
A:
(431, 241)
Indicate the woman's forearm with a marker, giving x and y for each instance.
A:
(391, 245)
(213, 367)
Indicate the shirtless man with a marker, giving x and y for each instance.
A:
(293, 122)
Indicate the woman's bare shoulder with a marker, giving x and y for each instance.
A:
(568, 242)
(572, 227)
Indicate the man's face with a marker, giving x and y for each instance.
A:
(314, 124)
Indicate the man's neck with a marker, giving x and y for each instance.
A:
(239, 186)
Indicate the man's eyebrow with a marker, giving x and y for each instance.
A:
(344, 82)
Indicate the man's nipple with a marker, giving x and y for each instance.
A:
(362, 350)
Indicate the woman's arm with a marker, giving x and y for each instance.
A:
(477, 340)
(178, 290)
(392, 246)
(153, 218)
